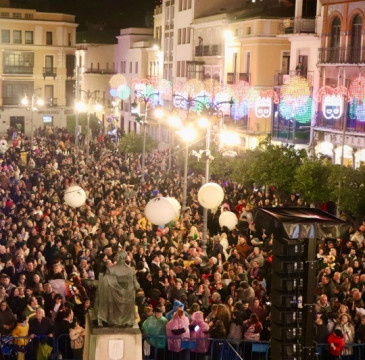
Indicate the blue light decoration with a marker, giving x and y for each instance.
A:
(203, 100)
(123, 92)
(360, 111)
(240, 109)
(357, 110)
(300, 112)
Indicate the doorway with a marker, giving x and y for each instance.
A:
(17, 122)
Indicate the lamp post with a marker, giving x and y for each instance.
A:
(146, 99)
(188, 134)
(82, 107)
(35, 103)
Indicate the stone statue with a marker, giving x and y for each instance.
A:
(115, 298)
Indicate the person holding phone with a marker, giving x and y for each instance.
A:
(199, 329)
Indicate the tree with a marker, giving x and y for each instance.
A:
(71, 123)
(348, 190)
(270, 165)
(133, 143)
(311, 181)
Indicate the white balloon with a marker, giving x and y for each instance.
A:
(229, 219)
(176, 205)
(75, 196)
(210, 195)
(160, 211)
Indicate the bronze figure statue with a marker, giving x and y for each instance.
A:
(115, 298)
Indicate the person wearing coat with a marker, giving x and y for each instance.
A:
(177, 305)
(176, 330)
(155, 325)
(336, 341)
(199, 329)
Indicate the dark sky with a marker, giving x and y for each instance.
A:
(115, 14)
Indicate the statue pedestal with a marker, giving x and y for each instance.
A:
(112, 343)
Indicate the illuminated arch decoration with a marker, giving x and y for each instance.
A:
(263, 103)
(165, 88)
(119, 87)
(333, 101)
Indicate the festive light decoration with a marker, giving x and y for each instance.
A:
(333, 101)
(193, 87)
(296, 92)
(210, 195)
(212, 86)
(263, 107)
(228, 219)
(332, 106)
(201, 101)
(240, 109)
(75, 196)
(241, 91)
(164, 87)
(117, 80)
(160, 211)
(357, 88)
(123, 92)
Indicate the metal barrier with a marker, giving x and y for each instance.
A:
(217, 349)
(57, 348)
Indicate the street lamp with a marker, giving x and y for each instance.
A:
(86, 107)
(35, 103)
(142, 97)
(188, 134)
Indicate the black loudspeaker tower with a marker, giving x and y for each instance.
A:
(293, 277)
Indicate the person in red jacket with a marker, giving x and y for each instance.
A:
(336, 341)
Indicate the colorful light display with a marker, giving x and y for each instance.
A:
(332, 100)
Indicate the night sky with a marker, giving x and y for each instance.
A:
(112, 14)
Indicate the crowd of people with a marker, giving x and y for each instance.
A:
(50, 253)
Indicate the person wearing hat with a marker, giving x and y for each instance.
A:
(155, 328)
(336, 340)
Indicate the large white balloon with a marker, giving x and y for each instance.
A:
(75, 196)
(176, 205)
(210, 195)
(160, 211)
(229, 219)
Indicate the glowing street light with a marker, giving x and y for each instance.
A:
(229, 138)
(188, 134)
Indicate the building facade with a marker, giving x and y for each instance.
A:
(340, 135)
(38, 61)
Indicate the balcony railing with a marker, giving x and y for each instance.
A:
(343, 55)
(12, 100)
(232, 78)
(282, 78)
(208, 50)
(18, 70)
(51, 102)
(100, 71)
(50, 71)
(297, 26)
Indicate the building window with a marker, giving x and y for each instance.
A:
(180, 5)
(130, 67)
(179, 37)
(188, 35)
(5, 36)
(136, 67)
(334, 51)
(183, 36)
(28, 37)
(249, 30)
(178, 69)
(69, 40)
(17, 15)
(49, 38)
(355, 50)
(17, 37)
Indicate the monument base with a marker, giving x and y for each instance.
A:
(112, 343)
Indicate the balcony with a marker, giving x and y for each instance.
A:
(13, 100)
(100, 71)
(51, 102)
(343, 55)
(49, 72)
(18, 70)
(297, 26)
(232, 78)
(208, 50)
